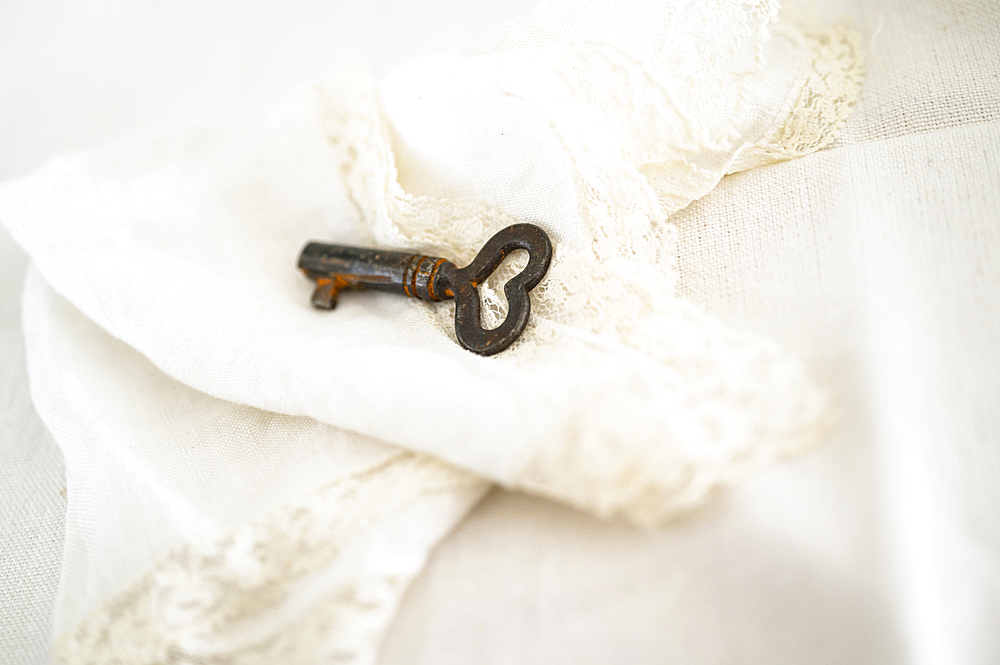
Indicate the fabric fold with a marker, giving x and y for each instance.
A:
(199, 530)
(620, 398)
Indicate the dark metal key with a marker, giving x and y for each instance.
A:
(337, 267)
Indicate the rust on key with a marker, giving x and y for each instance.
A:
(339, 267)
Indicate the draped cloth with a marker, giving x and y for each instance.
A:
(250, 480)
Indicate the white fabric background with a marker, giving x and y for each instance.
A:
(187, 512)
(154, 238)
(882, 547)
(627, 399)
(75, 75)
(877, 260)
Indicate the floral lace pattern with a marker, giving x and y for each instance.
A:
(726, 401)
(265, 592)
(686, 403)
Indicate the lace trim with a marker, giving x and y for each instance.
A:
(695, 404)
(730, 402)
(685, 404)
(712, 414)
(827, 91)
(225, 598)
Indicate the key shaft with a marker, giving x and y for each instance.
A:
(338, 267)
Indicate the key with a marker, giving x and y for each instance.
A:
(338, 267)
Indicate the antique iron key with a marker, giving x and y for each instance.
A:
(337, 267)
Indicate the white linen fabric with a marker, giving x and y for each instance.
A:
(876, 262)
(626, 398)
(882, 546)
(244, 536)
(202, 529)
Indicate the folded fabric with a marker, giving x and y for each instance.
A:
(252, 480)
(595, 123)
(204, 531)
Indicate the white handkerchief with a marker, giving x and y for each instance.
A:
(200, 530)
(595, 122)
(254, 480)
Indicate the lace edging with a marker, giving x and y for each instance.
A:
(658, 401)
(224, 598)
(826, 93)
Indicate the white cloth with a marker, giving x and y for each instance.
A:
(876, 261)
(182, 539)
(32, 488)
(78, 75)
(626, 398)
(883, 545)
(799, 565)
(242, 534)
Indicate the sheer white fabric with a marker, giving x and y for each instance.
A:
(874, 261)
(32, 487)
(626, 398)
(641, 440)
(243, 536)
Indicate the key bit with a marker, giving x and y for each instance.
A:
(339, 267)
